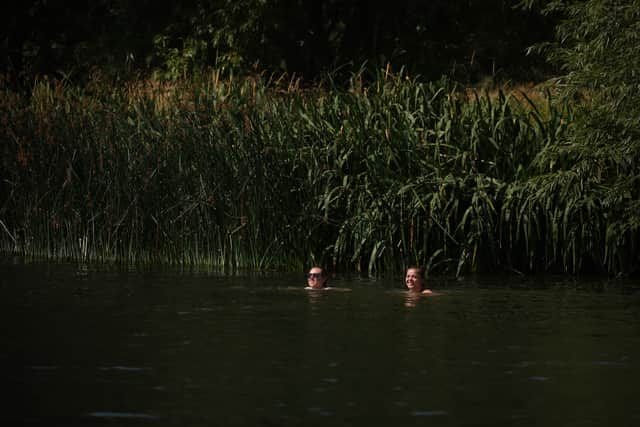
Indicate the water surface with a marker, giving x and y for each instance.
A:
(87, 345)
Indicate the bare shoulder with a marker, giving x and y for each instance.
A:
(328, 288)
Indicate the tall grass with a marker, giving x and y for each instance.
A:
(259, 173)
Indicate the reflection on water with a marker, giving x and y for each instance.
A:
(195, 348)
(412, 298)
(428, 413)
(316, 296)
(123, 415)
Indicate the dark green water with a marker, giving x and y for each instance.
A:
(96, 346)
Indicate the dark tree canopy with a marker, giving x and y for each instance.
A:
(468, 39)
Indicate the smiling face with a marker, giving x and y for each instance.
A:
(414, 281)
(316, 278)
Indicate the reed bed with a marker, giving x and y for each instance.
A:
(260, 174)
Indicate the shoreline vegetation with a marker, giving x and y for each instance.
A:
(262, 173)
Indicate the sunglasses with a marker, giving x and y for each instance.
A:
(313, 275)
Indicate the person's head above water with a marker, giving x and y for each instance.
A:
(316, 278)
(414, 280)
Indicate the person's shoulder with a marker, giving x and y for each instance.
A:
(427, 292)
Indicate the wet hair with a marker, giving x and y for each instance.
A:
(419, 270)
(323, 273)
(322, 270)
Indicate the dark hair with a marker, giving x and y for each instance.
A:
(419, 270)
(323, 271)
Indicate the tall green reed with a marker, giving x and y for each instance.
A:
(262, 173)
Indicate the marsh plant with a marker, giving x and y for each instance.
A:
(262, 173)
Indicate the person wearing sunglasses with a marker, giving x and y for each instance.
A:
(414, 280)
(316, 278)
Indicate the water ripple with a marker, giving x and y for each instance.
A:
(137, 415)
(428, 413)
(124, 368)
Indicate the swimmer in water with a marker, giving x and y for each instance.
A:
(316, 278)
(414, 280)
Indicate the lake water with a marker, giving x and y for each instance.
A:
(87, 345)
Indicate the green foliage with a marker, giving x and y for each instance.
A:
(224, 33)
(374, 175)
(593, 171)
(248, 173)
